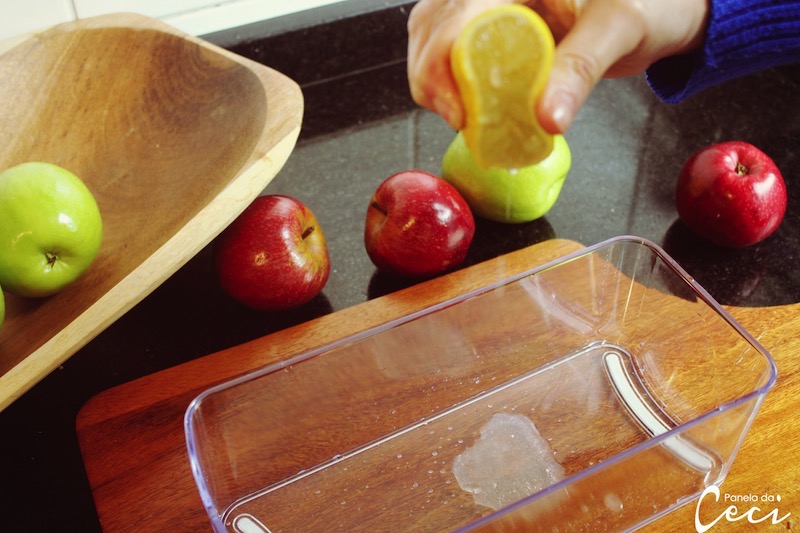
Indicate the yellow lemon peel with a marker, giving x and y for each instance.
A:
(501, 62)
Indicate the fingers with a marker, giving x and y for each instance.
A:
(603, 34)
(433, 26)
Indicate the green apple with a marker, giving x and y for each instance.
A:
(51, 229)
(507, 195)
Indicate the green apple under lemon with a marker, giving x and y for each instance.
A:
(507, 195)
(51, 229)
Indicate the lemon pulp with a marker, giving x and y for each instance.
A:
(501, 62)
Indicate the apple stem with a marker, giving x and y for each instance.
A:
(51, 258)
(308, 231)
(741, 170)
(375, 205)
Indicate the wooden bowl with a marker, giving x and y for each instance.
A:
(174, 137)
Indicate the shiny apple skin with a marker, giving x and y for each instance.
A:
(731, 194)
(274, 255)
(417, 225)
(51, 229)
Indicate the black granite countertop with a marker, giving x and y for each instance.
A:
(360, 126)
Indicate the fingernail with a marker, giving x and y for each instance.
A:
(446, 107)
(562, 110)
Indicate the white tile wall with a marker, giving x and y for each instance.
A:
(196, 17)
(230, 14)
(19, 17)
(153, 8)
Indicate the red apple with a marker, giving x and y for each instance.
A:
(273, 256)
(418, 225)
(731, 194)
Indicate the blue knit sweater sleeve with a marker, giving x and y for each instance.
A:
(742, 37)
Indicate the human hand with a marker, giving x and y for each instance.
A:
(596, 38)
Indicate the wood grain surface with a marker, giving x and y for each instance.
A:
(173, 136)
(133, 443)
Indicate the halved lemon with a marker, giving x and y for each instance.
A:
(501, 62)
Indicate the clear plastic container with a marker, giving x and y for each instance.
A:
(595, 393)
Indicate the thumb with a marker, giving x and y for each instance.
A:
(597, 41)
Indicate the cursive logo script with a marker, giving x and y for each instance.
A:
(754, 515)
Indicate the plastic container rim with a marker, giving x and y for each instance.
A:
(761, 392)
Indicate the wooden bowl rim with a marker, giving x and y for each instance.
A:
(272, 149)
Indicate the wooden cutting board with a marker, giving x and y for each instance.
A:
(174, 137)
(134, 450)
